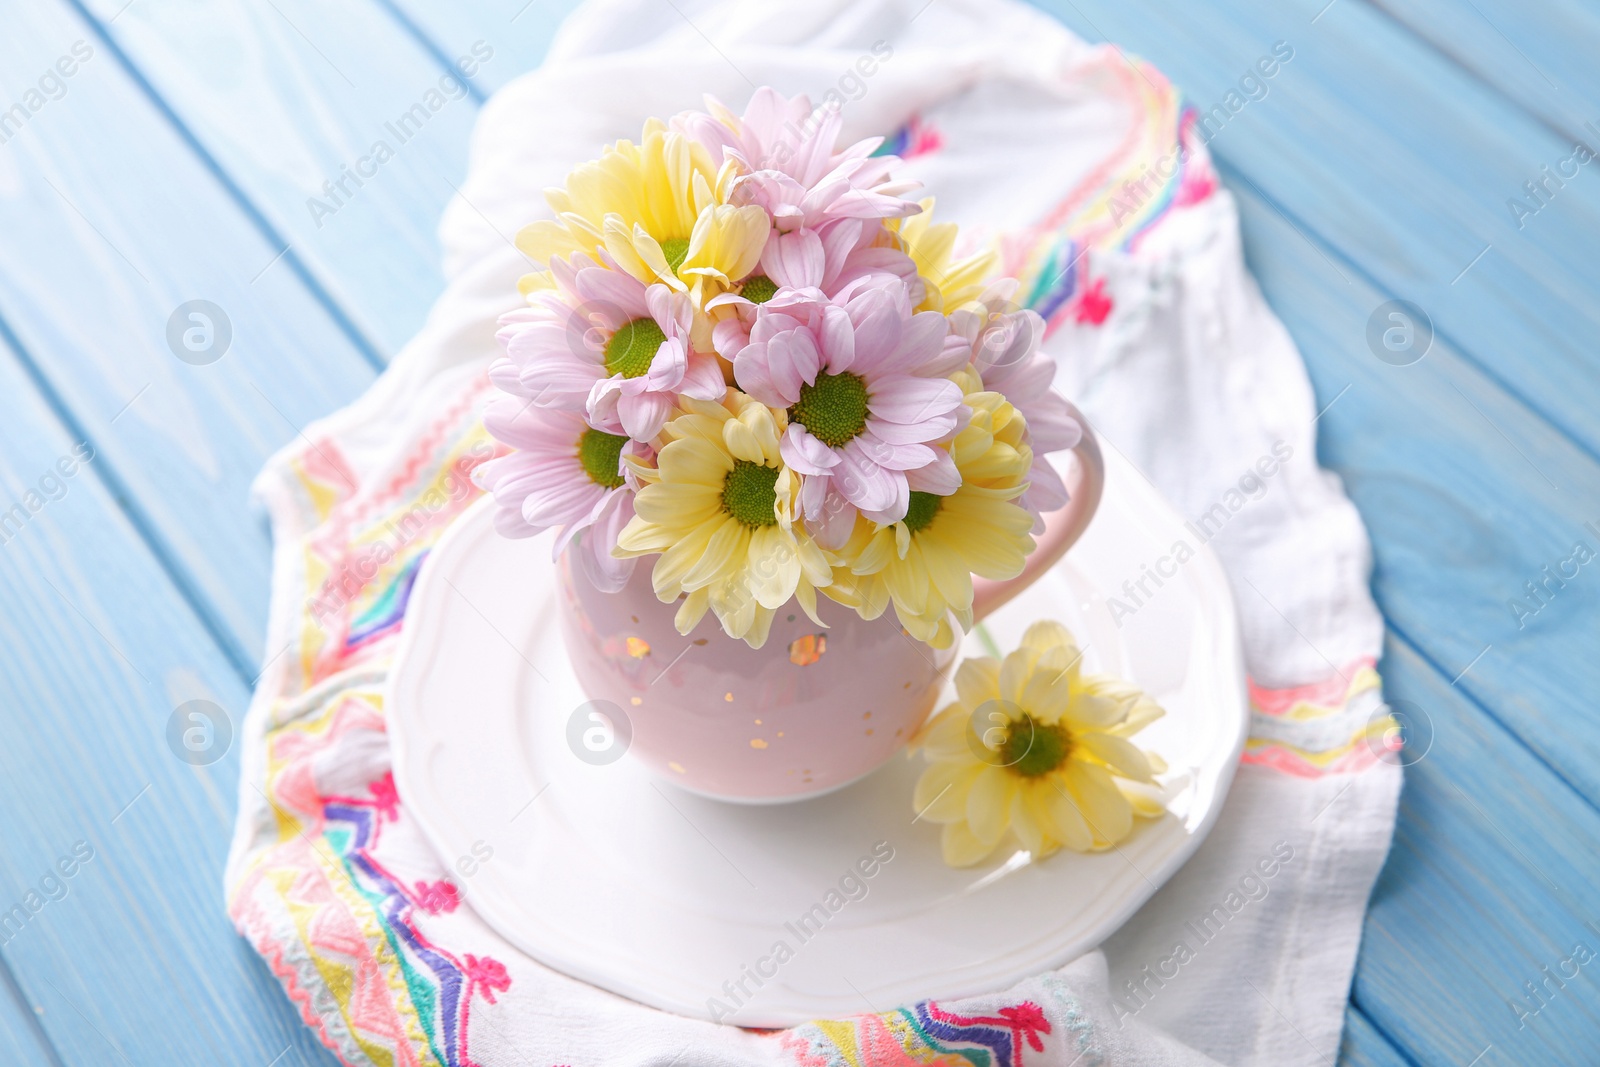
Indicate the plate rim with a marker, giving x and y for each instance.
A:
(972, 979)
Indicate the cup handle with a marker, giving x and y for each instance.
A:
(1062, 528)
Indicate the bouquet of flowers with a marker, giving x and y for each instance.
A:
(751, 357)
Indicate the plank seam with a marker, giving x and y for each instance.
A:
(1472, 72)
(1227, 167)
(430, 46)
(106, 473)
(368, 349)
(8, 977)
(1398, 1049)
(1473, 699)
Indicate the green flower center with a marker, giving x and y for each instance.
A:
(1032, 748)
(632, 348)
(601, 456)
(922, 509)
(748, 493)
(834, 409)
(676, 249)
(758, 289)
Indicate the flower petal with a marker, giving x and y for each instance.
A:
(838, 340)
(774, 566)
(978, 681)
(792, 358)
(953, 580)
(961, 847)
(1023, 823)
(643, 415)
(1123, 757)
(833, 522)
(1063, 820)
(725, 551)
(933, 428)
(877, 328)
(692, 461)
(691, 611)
(865, 484)
(940, 477)
(794, 260)
(1015, 671)
(806, 454)
(1047, 634)
(921, 344)
(941, 792)
(1104, 808)
(989, 803)
(1145, 797)
(702, 378)
(1047, 692)
(945, 736)
(1089, 709)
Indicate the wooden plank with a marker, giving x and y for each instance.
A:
(1490, 880)
(1540, 55)
(111, 224)
(1401, 163)
(520, 31)
(127, 951)
(1364, 1045)
(291, 98)
(1467, 496)
(22, 1038)
(1455, 517)
(1397, 158)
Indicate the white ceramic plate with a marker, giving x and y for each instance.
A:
(624, 881)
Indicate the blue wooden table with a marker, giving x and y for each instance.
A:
(165, 152)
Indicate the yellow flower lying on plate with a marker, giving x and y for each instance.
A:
(1035, 747)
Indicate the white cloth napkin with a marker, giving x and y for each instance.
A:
(1025, 132)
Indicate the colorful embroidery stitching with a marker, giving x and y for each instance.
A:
(1160, 165)
(922, 1033)
(916, 138)
(333, 922)
(1332, 727)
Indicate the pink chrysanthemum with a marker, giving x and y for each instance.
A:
(811, 266)
(604, 343)
(863, 385)
(1006, 354)
(786, 148)
(565, 475)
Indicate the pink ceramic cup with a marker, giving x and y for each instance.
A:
(810, 711)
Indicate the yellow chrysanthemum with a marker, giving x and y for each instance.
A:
(1034, 746)
(654, 209)
(718, 506)
(950, 282)
(924, 563)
